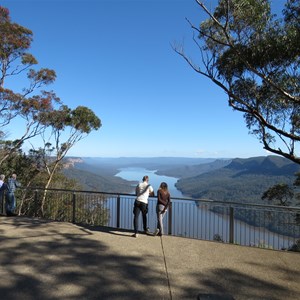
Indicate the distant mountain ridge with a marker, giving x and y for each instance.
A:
(193, 170)
(242, 180)
(265, 165)
(151, 163)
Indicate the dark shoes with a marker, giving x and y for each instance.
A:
(147, 231)
(11, 214)
(157, 232)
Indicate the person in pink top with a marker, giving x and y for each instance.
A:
(163, 202)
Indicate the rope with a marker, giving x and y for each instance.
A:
(166, 268)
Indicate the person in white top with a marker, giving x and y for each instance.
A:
(3, 189)
(143, 191)
(2, 177)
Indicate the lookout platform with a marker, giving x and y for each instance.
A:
(48, 260)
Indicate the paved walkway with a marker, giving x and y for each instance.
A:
(52, 260)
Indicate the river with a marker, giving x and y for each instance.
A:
(131, 173)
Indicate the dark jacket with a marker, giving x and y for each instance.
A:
(163, 198)
(4, 187)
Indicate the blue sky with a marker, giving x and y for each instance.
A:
(115, 57)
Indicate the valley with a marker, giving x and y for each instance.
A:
(238, 180)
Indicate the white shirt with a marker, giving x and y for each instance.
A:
(143, 190)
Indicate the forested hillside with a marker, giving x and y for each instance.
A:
(91, 181)
(243, 180)
(184, 171)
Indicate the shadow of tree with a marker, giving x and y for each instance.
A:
(48, 260)
(225, 283)
(44, 261)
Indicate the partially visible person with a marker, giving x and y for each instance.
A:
(2, 177)
(143, 191)
(12, 184)
(3, 188)
(163, 202)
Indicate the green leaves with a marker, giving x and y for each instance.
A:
(84, 120)
(281, 194)
(42, 113)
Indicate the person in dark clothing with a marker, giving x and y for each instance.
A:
(163, 202)
(4, 189)
(12, 184)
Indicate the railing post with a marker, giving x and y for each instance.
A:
(35, 203)
(74, 208)
(2, 197)
(231, 225)
(170, 219)
(118, 211)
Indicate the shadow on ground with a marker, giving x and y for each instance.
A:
(50, 260)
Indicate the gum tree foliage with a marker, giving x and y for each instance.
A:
(253, 56)
(281, 194)
(32, 174)
(15, 60)
(42, 112)
(79, 122)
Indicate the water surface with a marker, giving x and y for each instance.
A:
(133, 173)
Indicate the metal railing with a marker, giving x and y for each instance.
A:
(265, 226)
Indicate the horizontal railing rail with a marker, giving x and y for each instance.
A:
(257, 225)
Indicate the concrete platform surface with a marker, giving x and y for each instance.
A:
(48, 260)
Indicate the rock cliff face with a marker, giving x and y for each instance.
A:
(71, 161)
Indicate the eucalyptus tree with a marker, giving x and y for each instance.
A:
(15, 61)
(280, 194)
(253, 56)
(67, 127)
(42, 112)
